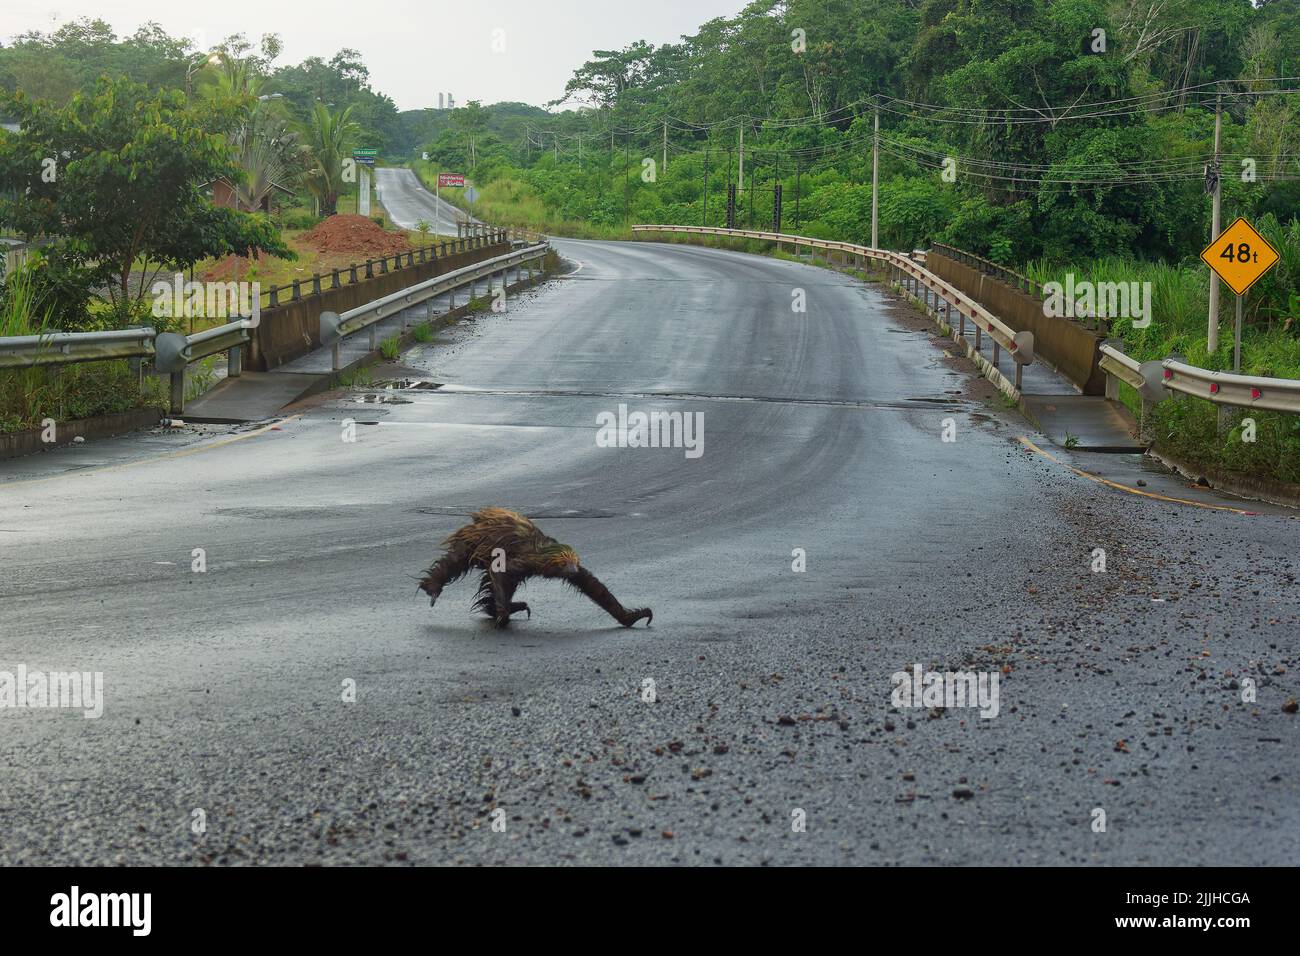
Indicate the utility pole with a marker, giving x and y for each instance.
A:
(740, 176)
(776, 193)
(704, 218)
(665, 146)
(796, 195)
(875, 182)
(776, 200)
(752, 177)
(730, 219)
(1216, 221)
(627, 164)
(579, 150)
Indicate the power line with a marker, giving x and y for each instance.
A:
(984, 115)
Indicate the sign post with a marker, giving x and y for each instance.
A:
(450, 180)
(471, 197)
(365, 160)
(1239, 256)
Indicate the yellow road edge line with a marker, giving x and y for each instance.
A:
(168, 456)
(1133, 491)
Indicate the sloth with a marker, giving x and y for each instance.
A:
(509, 549)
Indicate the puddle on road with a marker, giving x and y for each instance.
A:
(382, 393)
(464, 511)
(284, 511)
(401, 384)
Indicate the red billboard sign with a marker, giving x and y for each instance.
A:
(451, 179)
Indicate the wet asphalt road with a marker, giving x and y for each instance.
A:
(1119, 691)
(408, 202)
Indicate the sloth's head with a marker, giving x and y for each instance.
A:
(559, 561)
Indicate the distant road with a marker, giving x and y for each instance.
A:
(407, 202)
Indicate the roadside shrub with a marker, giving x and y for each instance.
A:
(298, 219)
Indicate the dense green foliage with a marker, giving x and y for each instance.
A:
(53, 66)
(1015, 78)
(115, 177)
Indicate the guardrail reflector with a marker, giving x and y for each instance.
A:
(1255, 393)
(1214, 388)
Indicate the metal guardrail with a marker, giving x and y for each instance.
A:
(335, 327)
(171, 352)
(989, 267)
(1229, 388)
(65, 348)
(1155, 379)
(1119, 368)
(357, 271)
(174, 352)
(524, 235)
(1087, 318)
(1020, 345)
(230, 336)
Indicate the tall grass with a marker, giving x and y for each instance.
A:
(28, 396)
(19, 309)
(512, 202)
(1180, 305)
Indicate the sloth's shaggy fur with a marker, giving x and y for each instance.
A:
(524, 552)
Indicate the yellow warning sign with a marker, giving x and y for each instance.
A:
(1240, 255)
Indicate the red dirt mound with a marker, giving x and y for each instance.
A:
(349, 233)
(231, 267)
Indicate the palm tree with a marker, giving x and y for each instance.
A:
(267, 150)
(238, 77)
(262, 140)
(327, 141)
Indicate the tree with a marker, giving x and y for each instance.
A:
(53, 66)
(327, 138)
(116, 178)
(470, 121)
(610, 74)
(264, 143)
(267, 149)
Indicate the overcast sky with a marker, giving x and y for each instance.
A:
(415, 49)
